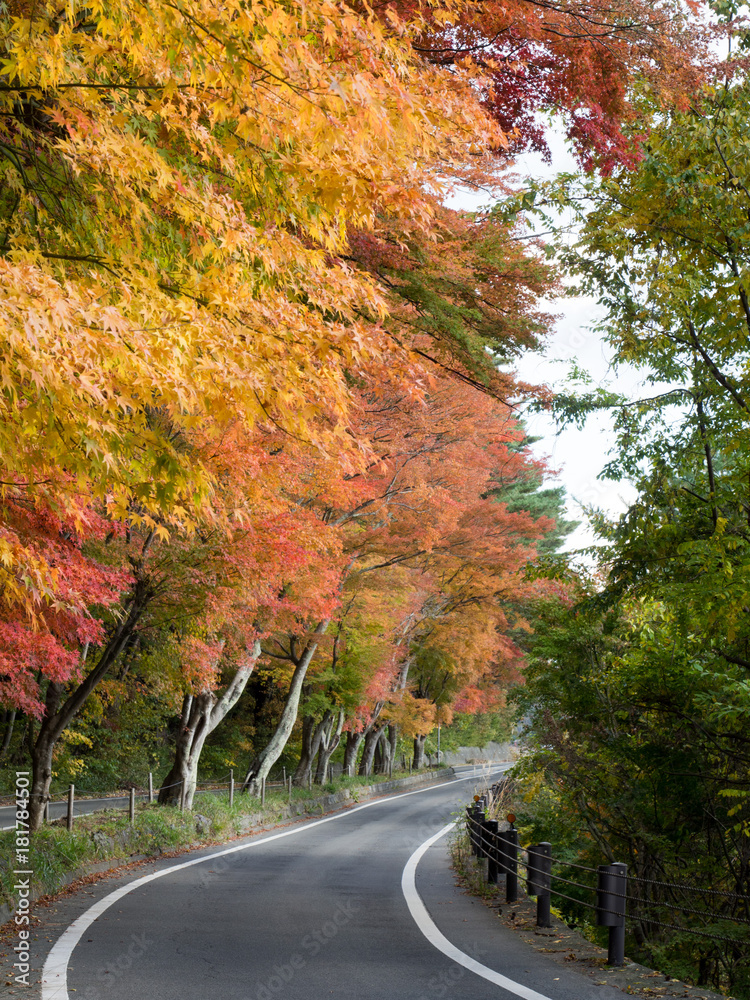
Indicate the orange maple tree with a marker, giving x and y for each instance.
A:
(227, 290)
(430, 559)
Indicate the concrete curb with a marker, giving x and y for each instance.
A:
(311, 807)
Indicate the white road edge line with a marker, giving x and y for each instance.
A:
(55, 970)
(427, 926)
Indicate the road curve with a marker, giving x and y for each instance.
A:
(312, 911)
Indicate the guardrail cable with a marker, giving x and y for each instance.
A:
(490, 844)
(691, 888)
(572, 864)
(684, 930)
(667, 885)
(579, 885)
(580, 902)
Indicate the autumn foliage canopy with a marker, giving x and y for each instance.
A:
(249, 364)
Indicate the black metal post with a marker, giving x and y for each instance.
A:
(471, 821)
(616, 945)
(611, 896)
(539, 881)
(490, 832)
(477, 820)
(511, 866)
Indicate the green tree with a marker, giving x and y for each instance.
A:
(638, 694)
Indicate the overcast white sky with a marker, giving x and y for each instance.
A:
(578, 455)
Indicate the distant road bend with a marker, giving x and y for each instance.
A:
(359, 905)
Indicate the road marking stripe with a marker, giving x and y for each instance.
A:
(427, 926)
(55, 971)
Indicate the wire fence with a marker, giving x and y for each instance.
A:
(183, 793)
(614, 897)
(278, 779)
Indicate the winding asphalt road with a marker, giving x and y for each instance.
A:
(360, 904)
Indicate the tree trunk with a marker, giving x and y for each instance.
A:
(363, 736)
(371, 741)
(330, 740)
(9, 720)
(306, 751)
(311, 737)
(381, 759)
(393, 740)
(201, 714)
(419, 742)
(353, 741)
(59, 714)
(179, 784)
(265, 760)
(41, 768)
(385, 752)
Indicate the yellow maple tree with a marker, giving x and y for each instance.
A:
(177, 180)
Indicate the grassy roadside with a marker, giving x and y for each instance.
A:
(56, 853)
